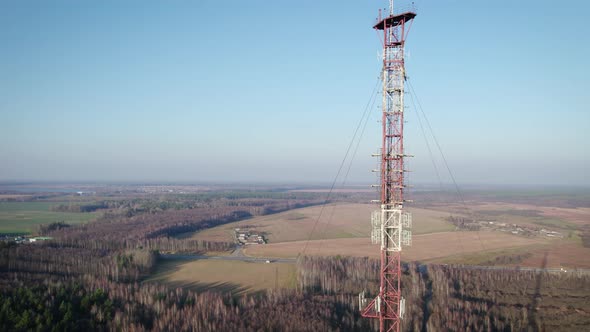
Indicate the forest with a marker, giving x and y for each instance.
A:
(93, 277)
(111, 296)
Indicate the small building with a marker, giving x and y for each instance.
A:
(39, 238)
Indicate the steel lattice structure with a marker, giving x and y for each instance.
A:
(391, 222)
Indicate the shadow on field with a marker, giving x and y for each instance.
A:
(532, 312)
(219, 287)
(166, 268)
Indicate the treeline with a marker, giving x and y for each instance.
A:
(97, 304)
(131, 206)
(464, 223)
(101, 265)
(337, 275)
(455, 298)
(512, 259)
(147, 231)
(90, 277)
(55, 307)
(49, 259)
(46, 229)
(157, 230)
(88, 207)
(47, 288)
(585, 235)
(438, 298)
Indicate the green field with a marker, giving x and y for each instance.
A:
(25, 217)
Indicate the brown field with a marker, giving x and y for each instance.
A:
(227, 276)
(426, 247)
(13, 196)
(564, 254)
(426, 221)
(343, 229)
(563, 220)
(361, 189)
(347, 220)
(577, 216)
(337, 221)
(489, 257)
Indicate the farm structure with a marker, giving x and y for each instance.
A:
(248, 237)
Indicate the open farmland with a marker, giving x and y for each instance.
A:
(25, 217)
(562, 254)
(344, 228)
(227, 276)
(340, 224)
(8, 197)
(523, 214)
(565, 211)
(578, 216)
(346, 220)
(426, 247)
(336, 221)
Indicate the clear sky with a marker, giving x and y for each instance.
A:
(214, 90)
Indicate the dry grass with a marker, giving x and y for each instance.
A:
(554, 255)
(336, 221)
(440, 245)
(426, 221)
(560, 255)
(13, 196)
(578, 216)
(360, 189)
(226, 276)
(489, 257)
(347, 220)
(425, 247)
(434, 238)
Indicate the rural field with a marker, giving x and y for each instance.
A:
(344, 229)
(227, 276)
(4, 197)
(525, 214)
(173, 242)
(25, 217)
(336, 221)
(425, 247)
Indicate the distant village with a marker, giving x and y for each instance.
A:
(523, 230)
(244, 237)
(519, 229)
(24, 239)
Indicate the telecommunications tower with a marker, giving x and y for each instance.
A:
(391, 223)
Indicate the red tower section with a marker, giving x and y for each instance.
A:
(391, 222)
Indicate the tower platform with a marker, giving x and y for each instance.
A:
(394, 20)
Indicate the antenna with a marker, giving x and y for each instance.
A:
(391, 223)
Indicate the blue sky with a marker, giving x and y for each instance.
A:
(273, 90)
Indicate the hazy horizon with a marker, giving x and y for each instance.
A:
(21, 185)
(247, 92)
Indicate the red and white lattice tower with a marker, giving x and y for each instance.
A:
(391, 223)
